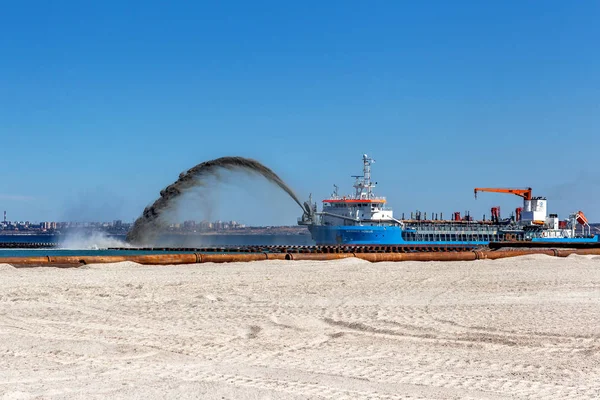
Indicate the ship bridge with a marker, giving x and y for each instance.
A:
(360, 208)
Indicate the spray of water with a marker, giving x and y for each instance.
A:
(149, 224)
(90, 241)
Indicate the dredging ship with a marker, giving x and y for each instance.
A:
(364, 219)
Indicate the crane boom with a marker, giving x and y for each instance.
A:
(524, 193)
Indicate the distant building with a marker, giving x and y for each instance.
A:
(45, 226)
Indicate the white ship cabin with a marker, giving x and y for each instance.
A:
(535, 214)
(362, 208)
(534, 210)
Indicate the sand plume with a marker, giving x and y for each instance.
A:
(149, 224)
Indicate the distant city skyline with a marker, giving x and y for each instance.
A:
(103, 104)
(116, 226)
(118, 222)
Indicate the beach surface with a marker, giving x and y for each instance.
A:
(525, 327)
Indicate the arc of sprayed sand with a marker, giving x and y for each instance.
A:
(147, 225)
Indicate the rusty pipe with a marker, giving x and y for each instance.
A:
(494, 255)
(24, 260)
(190, 258)
(223, 258)
(318, 256)
(389, 257)
(581, 252)
(276, 256)
(153, 259)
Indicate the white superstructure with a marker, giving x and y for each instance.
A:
(534, 210)
(362, 208)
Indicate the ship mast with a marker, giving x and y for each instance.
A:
(363, 185)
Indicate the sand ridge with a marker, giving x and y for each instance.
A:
(525, 327)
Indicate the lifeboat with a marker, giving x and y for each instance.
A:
(581, 218)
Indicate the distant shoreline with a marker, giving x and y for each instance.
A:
(272, 230)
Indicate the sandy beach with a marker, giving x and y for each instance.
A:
(526, 327)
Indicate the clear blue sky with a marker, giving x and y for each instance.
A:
(103, 104)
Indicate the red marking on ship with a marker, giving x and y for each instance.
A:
(354, 201)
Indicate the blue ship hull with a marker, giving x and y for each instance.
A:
(392, 235)
(371, 235)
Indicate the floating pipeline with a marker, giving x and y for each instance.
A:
(318, 257)
(199, 258)
(307, 249)
(323, 249)
(28, 245)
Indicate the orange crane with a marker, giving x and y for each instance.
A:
(524, 193)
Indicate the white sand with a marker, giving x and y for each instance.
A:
(512, 328)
